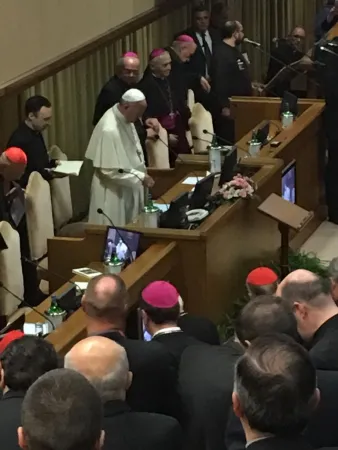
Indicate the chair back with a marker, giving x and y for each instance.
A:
(200, 120)
(158, 152)
(39, 215)
(191, 99)
(10, 270)
(62, 205)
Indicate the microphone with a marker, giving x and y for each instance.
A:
(35, 264)
(147, 194)
(327, 50)
(332, 44)
(100, 211)
(254, 43)
(23, 302)
(214, 135)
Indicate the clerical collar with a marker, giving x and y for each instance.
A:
(168, 330)
(159, 78)
(262, 438)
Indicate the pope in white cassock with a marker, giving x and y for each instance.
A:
(118, 161)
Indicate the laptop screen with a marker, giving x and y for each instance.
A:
(121, 243)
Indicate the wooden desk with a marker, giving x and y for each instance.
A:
(214, 259)
(155, 263)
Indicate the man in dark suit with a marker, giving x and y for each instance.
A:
(206, 374)
(160, 312)
(275, 393)
(206, 40)
(317, 315)
(105, 364)
(201, 328)
(22, 362)
(154, 377)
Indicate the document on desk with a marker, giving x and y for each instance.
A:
(69, 168)
(192, 180)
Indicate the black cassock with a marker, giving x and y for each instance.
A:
(111, 94)
(167, 102)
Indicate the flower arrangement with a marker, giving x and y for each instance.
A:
(239, 187)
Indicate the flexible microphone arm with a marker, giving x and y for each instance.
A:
(161, 198)
(266, 53)
(327, 50)
(35, 264)
(24, 302)
(100, 211)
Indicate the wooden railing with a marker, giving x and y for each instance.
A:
(65, 60)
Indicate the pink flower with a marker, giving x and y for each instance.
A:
(243, 194)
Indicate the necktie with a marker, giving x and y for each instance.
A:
(207, 52)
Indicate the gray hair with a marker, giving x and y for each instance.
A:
(333, 269)
(113, 385)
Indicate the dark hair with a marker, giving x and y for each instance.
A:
(330, 2)
(229, 29)
(161, 315)
(199, 9)
(264, 315)
(218, 8)
(25, 360)
(275, 381)
(110, 306)
(266, 289)
(317, 292)
(62, 411)
(35, 103)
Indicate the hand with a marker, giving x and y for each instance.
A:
(226, 112)
(57, 162)
(148, 181)
(151, 134)
(153, 124)
(173, 139)
(333, 13)
(205, 84)
(258, 86)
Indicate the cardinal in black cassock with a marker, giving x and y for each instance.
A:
(166, 96)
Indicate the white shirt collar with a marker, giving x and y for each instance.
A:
(168, 330)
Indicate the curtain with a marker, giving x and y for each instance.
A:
(73, 93)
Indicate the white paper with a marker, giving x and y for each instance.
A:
(161, 206)
(192, 180)
(69, 167)
(82, 285)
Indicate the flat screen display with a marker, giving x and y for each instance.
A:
(121, 242)
(289, 183)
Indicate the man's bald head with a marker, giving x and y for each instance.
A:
(128, 69)
(104, 363)
(297, 276)
(106, 298)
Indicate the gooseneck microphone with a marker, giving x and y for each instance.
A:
(147, 195)
(35, 264)
(100, 211)
(24, 302)
(327, 50)
(254, 43)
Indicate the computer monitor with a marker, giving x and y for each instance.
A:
(201, 192)
(228, 168)
(263, 133)
(289, 182)
(292, 101)
(176, 214)
(121, 242)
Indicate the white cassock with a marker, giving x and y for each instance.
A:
(115, 145)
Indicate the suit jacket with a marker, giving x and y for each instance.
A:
(128, 430)
(10, 413)
(176, 343)
(197, 63)
(200, 328)
(322, 429)
(206, 384)
(323, 348)
(276, 443)
(154, 375)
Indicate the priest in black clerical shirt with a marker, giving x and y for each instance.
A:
(229, 76)
(166, 97)
(28, 137)
(126, 76)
